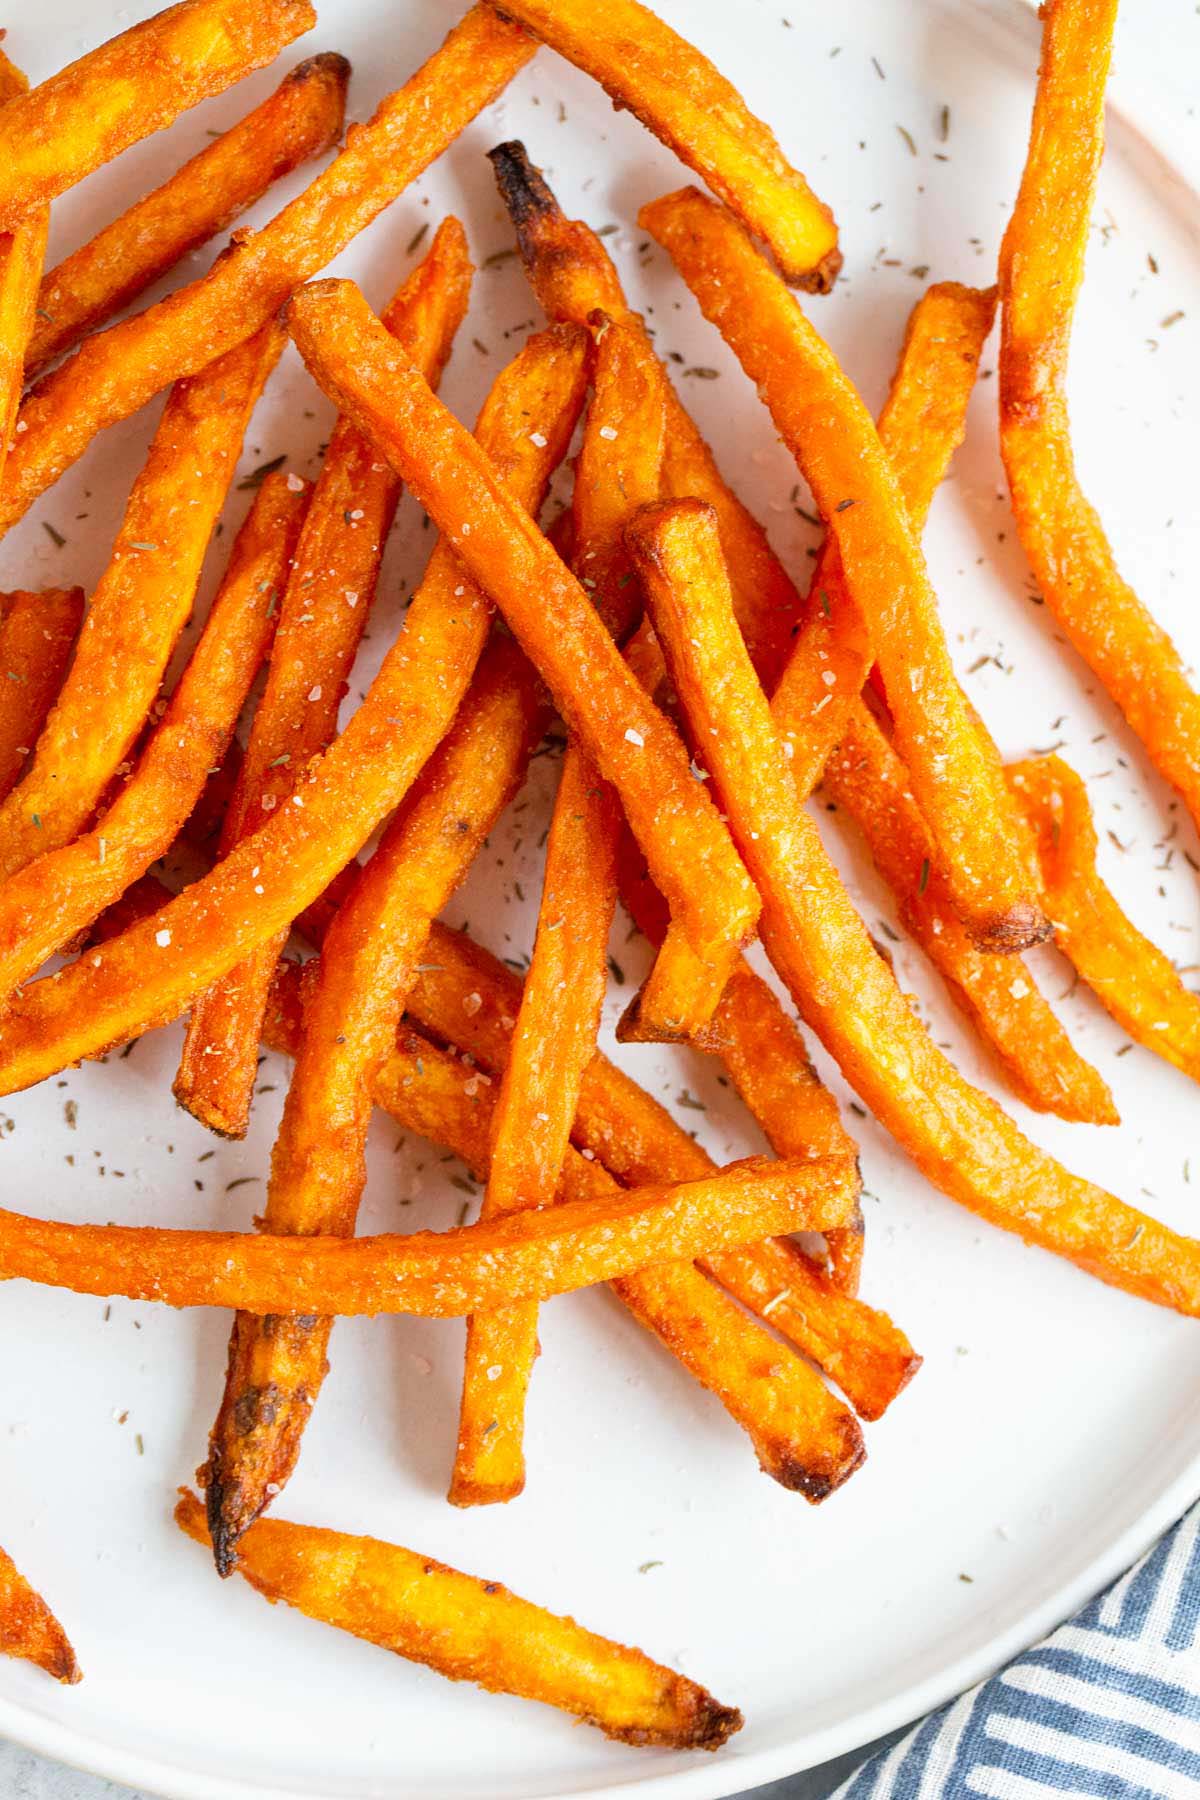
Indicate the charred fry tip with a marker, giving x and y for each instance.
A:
(817, 1483)
(219, 1502)
(330, 63)
(709, 1726)
(820, 280)
(1019, 928)
(523, 188)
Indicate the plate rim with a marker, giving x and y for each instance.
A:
(720, 1778)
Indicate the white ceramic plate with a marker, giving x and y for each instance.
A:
(1053, 1429)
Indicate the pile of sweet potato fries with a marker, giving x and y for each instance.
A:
(704, 699)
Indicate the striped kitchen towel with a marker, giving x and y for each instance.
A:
(1108, 1706)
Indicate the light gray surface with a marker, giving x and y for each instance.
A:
(1160, 50)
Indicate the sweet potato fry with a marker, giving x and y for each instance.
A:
(119, 369)
(558, 1019)
(29, 1630)
(139, 605)
(131, 86)
(44, 905)
(464, 996)
(677, 94)
(472, 1630)
(920, 426)
(447, 1274)
(959, 1138)
(318, 1168)
(960, 792)
(22, 251)
(866, 779)
(324, 611)
(37, 636)
(625, 735)
(573, 276)
(151, 972)
(1041, 269)
(553, 1042)
(1128, 974)
(302, 118)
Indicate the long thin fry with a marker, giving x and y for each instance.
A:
(150, 973)
(958, 1137)
(553, 1042)
(573, 276)
(29, 1630)
(1041, 270)
(37, 637)
(302, 118)
(439, 1274)
(322, 617)
(119, 369)
(472, 1630)
(318, 1168)
(1128, 974)
(140, 604)
(133, 85)
(678, 95)
(959, 789)
(628, 739)
(47, 902)
(618, 468)
(921, 424)
(866, 779)
(22, 251)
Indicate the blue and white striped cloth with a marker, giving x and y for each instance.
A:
(1107, 1707)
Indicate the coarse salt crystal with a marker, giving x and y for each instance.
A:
(495, 1372)
(351, 597)
(295, 485)
(162, 938)
(635, 737)
(535, 437)
(472, 1004)
(314, 692)
(608, 431)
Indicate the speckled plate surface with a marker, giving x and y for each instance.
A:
(1053, 1429)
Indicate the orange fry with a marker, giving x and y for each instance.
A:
(528, 1255)
(1128, 974)
(958, 1137)
(22, 251)
(131, 86)
(921, 425)
(151, 972)
(1041, 270)
(677, 94)
(140, 604)
(47, 902)
(959, 788)
(573, 276)
(318, 1168)
(37, 636)
(302, 118)
(866, 779)
(29, 1630)
(553, 1042)
(628, 739)
(472, 1630)
(118, 370)
(324, 611)
(559, 1016)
